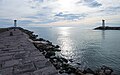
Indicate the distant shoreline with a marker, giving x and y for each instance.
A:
(107, 28)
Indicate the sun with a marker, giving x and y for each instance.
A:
(71, 7)
(66, 5)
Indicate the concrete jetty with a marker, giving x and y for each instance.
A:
(18, 56)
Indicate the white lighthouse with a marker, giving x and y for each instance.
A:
(15, 24)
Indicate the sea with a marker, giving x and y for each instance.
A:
(91, 48)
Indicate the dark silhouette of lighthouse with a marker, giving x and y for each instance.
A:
(103, 24)
(15, 24)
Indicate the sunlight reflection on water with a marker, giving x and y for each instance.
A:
(66, 43)
(92, 48)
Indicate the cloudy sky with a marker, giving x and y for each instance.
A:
(59, 12)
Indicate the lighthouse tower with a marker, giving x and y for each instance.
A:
(103, 24)
(15, 23)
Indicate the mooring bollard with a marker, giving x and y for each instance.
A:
(11, 34)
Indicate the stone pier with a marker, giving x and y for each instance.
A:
(18, 56)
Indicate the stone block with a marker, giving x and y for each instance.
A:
(21, 55)
(7, 54)
(10, 63)
(46, 71)
(35, 53)
(7, 71)
(36, 58)
(5, 58)
(42, 64)
(23, 68)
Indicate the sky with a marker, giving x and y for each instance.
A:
(59, 12)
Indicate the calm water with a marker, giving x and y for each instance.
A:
(91, 48)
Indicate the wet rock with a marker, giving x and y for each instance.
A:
(65, 60)
(57, 46)
(40, 39)
(78, 72)
(108, 72)
(49, 47)
(88, 70)
(71, 70)
(58, 65)
(63, 74)
(78, 63)
(104, 70)
(34, 37)
(62, 71)
(71, 60)
(89, 74)
(49, 54)
(55, 49)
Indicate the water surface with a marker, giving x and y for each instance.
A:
(91, 48)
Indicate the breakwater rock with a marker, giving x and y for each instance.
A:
(107, 28)
(49, 51)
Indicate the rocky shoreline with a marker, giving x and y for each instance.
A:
(61, 64)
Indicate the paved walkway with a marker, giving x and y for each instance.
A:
(18, 56)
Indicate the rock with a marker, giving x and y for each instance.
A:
(71, 60)
(33, 37)
(57, 46)
(88, 70)
(61, 71)
(79, 63)
(104, 70)
(63, 59)
(49, 54)
(89, 74)
(108, 72)
(63, 74)
(71, 70)
(55, 49)
(58, 65)
(49, 43)
(49, 47)
(78, 72)
(39, 42)
(40, 39)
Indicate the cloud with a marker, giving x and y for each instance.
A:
(39, 0)
(70, 16)
(5, 22)
(16, 9)
(111, 10)
(90, 3)
(114, 8)
(25, 22)
(42, 12)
